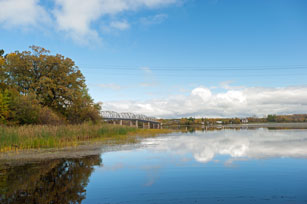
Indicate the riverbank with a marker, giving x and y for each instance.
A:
(42, 136)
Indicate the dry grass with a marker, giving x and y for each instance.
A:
(41, 136)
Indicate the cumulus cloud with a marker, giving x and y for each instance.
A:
(77, 16)
(203, 102)
(22, 13)
(238, 145)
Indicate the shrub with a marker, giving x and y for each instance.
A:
(48, 117)
(25, 109)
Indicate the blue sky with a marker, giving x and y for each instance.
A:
(174, 58)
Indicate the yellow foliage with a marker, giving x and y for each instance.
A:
(1, 61)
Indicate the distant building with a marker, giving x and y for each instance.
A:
(219, 122)
(244, 120)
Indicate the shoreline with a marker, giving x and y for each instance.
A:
(95, 147)
(37, 155)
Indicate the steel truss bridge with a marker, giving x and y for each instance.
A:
(134, 119)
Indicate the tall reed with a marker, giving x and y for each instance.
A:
(43, 136)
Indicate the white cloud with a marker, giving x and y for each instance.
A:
(77, 16)
(22, 13)
(110, 86)
(120, 25)
(147, 70)
(238, 145)
(202, 102)
(156, 19)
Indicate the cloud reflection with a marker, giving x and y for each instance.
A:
(243, 144)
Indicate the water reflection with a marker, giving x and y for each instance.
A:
(243, 144)
(169, 169)
(56, 181)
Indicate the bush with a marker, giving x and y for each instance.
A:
(25, 109)
(49, 117)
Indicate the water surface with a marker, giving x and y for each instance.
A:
(220, 166)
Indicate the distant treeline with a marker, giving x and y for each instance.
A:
(280, 118)
(39, 88)
(210, 121)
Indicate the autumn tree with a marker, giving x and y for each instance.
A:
(54, 80)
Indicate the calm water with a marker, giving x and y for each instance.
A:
(221, 166)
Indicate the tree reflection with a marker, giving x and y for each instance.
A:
(55, 181)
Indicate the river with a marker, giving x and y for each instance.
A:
(235, 165)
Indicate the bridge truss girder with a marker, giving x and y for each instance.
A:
(126, 116)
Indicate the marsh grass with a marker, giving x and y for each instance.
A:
(42, 136)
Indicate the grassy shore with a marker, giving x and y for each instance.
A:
(38, 136)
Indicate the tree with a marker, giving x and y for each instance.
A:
(24, 109)
(271, 118)
(2, 70)
(48, 181)
(4, 105)
(54, 80)
(191, 120)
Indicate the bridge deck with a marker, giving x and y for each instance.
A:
(111, 115)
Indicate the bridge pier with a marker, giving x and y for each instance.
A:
(136, 123)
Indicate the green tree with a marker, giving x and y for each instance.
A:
(2, 70)
(271, 118)
(191, 120)
(25, 109)
(4, 105)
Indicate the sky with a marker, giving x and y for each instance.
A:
(174, 58)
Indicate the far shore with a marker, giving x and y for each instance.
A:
(36, 155)
(289, 125)
(251, 125)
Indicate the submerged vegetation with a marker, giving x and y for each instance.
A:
(43, 136)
